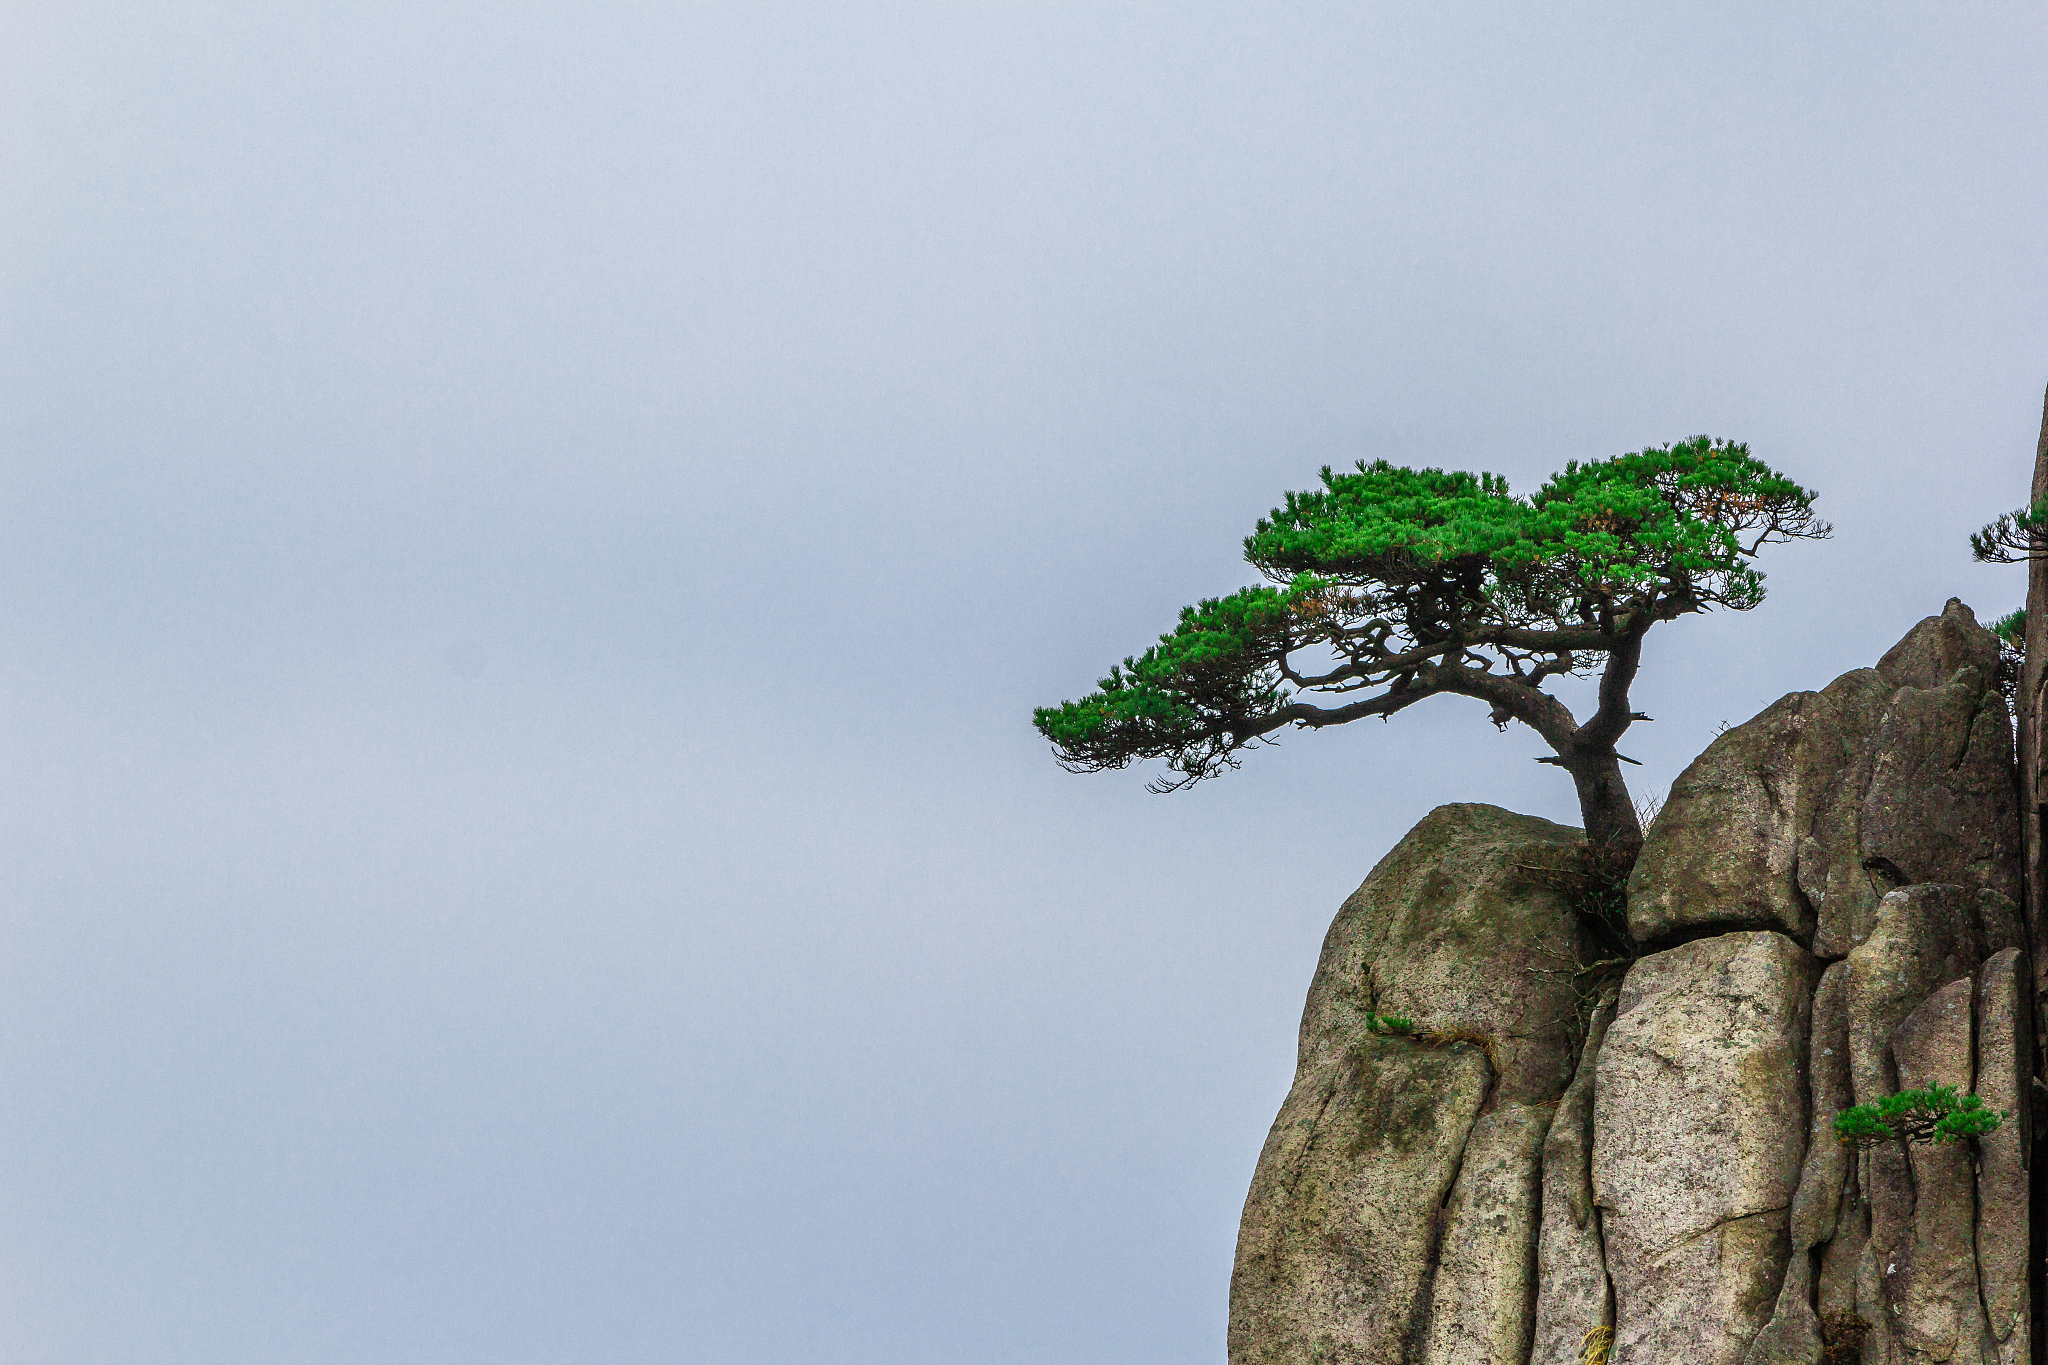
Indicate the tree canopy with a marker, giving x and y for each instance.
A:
(1387, 585)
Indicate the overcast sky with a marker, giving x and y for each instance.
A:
(532, 534)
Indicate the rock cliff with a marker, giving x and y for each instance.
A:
(1509, 1142)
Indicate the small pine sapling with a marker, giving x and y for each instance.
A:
(1935, 1114)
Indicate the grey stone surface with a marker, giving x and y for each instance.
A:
(1801, 819)
(1926, 1262)
(2000, 924)
(1923, 938)
(1941, 804)
(1485, 1288)
(1835, 759)
(1722, 848)
(1792, 1337)
(1937, 647)
(1829, 1219)
(1573, 1294)
(1698, 1137)
(1824, 1179)
(1452, 930)
(1841, 1259)
(2005, 1051)
(1339, 1236)
(1343, 1226)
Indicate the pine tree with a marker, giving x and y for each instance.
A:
(1389, 585)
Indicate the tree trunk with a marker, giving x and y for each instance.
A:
(1604, 802)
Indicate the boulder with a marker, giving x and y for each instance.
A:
(1485, 1289)
(1835, 764)
(1941, 805)
(1459, 930)
(1802, 818)
(1699, 1130)
(1936, 649)
(1722, 848)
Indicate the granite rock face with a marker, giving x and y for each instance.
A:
(2005, 1055)
(1826, 911)
(1921, 1255)
(1574, 1296)
(1346, 1223)
(1721, 852)
(1699, 1130)
(1801, 819)
(1486, 1276)
(1454, 930)
(1339, 1241)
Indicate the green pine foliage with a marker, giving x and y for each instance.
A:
(2014, 538)
(1418, 582)
(1934, 1114)
(2011, 630)
(1602, 533)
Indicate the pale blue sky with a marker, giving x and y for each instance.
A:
(533, 533)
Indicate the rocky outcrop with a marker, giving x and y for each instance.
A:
(2028, 699)
(1828, 910)
(1801, 819)
(1910, 1248)
(1942, 806)
(1338, 1251)
(1699, 1128)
